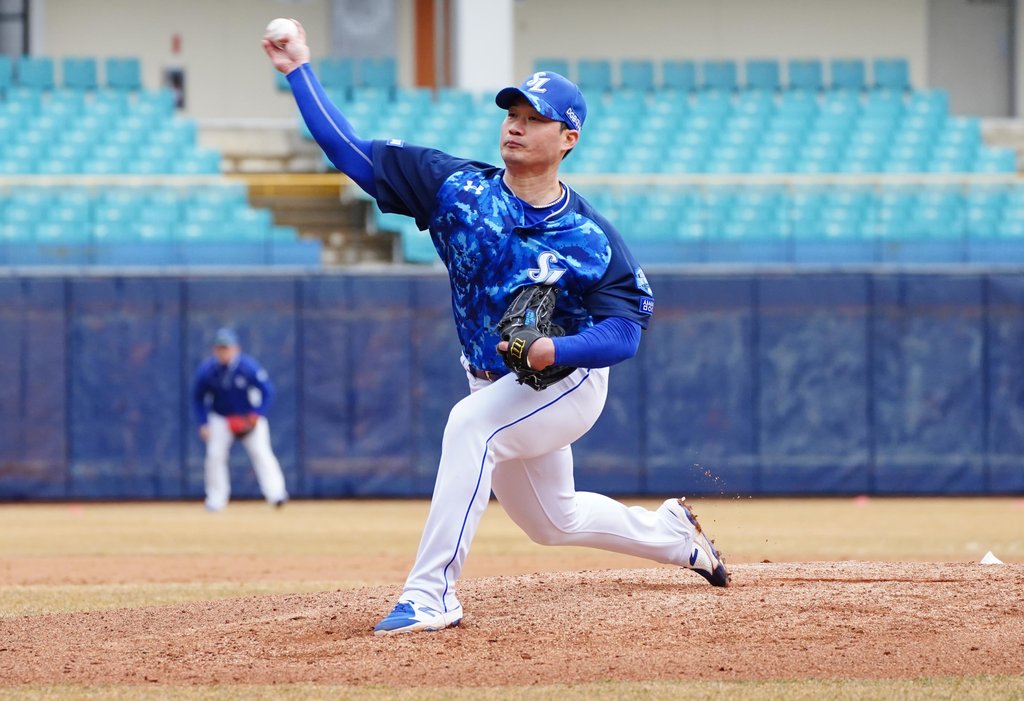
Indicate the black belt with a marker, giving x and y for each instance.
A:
(489, 375)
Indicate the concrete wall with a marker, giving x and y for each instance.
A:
(229, 76)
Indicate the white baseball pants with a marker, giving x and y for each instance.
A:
(512, 439)
(264, 462)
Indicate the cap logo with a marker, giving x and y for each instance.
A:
(536, 83)
(574, 118)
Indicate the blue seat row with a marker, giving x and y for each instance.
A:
(763, 74)
(63, 132)
(834, 226)
(344, 73)
(706, 132)
(38, 72)
(144, 225)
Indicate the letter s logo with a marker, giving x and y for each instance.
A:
(544, 273)
(537, 82)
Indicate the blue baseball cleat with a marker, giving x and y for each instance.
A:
(704, 559)
(408, 617)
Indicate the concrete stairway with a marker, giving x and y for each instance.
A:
(313, 204)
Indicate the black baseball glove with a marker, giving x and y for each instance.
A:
(527, 319)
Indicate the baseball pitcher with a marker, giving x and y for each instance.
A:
(546, 297)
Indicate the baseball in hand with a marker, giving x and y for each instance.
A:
(281, 28)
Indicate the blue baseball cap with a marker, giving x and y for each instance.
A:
(225, 337)
(553, 95)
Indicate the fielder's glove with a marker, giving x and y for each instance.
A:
(242, 424)
(527, 319)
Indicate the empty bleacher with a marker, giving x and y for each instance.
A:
(107, 223)
(864, 166)
(95, 169)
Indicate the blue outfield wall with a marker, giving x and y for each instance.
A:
(756, 382)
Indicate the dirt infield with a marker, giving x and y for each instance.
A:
(165, 596)
(849, 620)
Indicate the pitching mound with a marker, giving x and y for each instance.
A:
(824, 620)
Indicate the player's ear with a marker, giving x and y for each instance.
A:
(569, 139)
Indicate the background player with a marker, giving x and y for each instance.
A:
(230, 396)
(497, 230)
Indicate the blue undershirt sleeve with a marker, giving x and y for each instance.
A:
(350, 154)
(608, 342)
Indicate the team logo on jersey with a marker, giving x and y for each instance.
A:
(646, 305)
(536, 83)
(641, 281)
(545, 273)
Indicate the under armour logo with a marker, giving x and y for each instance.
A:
(470, 187)
(544, 273)
(536, 83)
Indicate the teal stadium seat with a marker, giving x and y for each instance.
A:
(812, 162)
(123, 73)
(803, 105)
(928, 102)
(106, 106)
(752, 108)
(23, 100)
(234, 194)
(35, 72)
(847, 74)
(64, 105)
(594, 75)
(118, 214)
(380, 73)
(887, 104)
(981, 222)
(555, 65)
(200, 214)
(61, 232)
(58, 166)
(6, 74)
(79, 73)
(804, 74)
(711, 105)
(891, 74)
(995, 160)
(773, 159)
(683, 158)
(845, 106)
(762, 74)
(636, 75)
(112, 152)
(679, 75)
(718, 75)
(337, 73)
(178, 133)
(153, 105)
(161, 213)
(250, 224)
